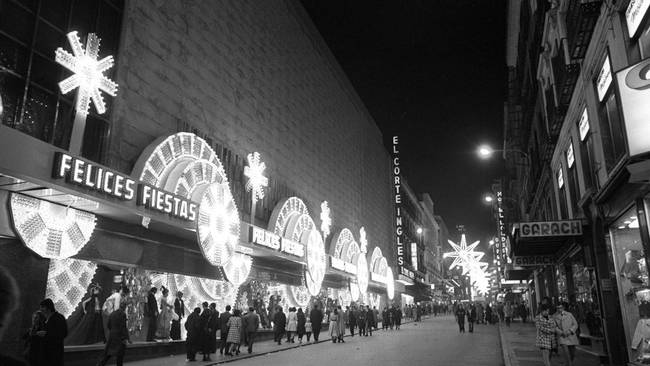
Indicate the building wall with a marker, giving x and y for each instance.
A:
(253, 76)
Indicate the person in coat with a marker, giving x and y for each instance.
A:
(376, 314)
(179, 310)
(279, 324)
(342, 323)
(352, 319)
(193, 328)
(567, 332)
(488, 314)
(398, 317)
(334, 325)
(371, 321)
(33, 343)
(251, 322)
(361, 321)
(546, 331)
(152, 314)
(471, 317)
(213, 327)
(460, 318)
(223, 321)
(234, 333)
(118, 336)
(292, 325)
(54, 333)
(316, 317)
(302, 319)
(384, 318)
(206, 343)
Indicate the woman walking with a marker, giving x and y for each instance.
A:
(234, 333)
(546, 330)
(308, 327)
(302, 320)
(292, 324)
(334, 325)
(567, 328)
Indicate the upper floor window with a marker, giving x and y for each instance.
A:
(610, 122)
(30, 32)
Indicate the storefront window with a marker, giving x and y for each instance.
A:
(634, 293)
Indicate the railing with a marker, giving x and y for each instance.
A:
(581, 19)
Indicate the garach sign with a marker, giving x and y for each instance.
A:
(550, 228)
(533, 260)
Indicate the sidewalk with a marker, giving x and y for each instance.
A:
(259, 349)
(518, 344)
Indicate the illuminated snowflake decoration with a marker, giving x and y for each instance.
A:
(325, 220)
(256, 179)
(88, 73)
(363, 240)
(464, 255)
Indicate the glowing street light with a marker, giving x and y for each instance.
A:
(485, 151)
(419, 230)
(488, 198)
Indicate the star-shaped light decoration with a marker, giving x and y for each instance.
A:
(363, 240)
(464, 255)
(325, 220)
(88, 73)
(256, 179)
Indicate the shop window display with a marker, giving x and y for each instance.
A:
(634, 292)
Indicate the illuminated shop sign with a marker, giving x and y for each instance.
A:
(634, 15)
(397, 183)
(273, 241)
(570, 158)
(501, 224)
(378, 278)
(634, 86)
(342, 265)
(534, 260)
(604, 79)
(583, 125)
(550, 228)
(98, 178)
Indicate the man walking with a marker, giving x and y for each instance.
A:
(352, 319)
(460, 317)
(118, 336)
(471, 317)
(370, 320)
(223, 321)
(507, 312)
(55, 332)
(279, 323)
(361, 321)
(251, 322)
(206, 342)
(316, 317)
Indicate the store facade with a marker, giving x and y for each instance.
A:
(157, 194)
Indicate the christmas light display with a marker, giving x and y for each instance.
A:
(255, 174)
(326, 221)
(469, 260)
(363, 240)
(238, 268)
(67, 281)
(218, 224)
(316, 261)
(390, 283)
(51, 230)
(88, 73)
(341, 240)
(362, 273)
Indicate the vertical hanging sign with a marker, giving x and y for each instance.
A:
(397, 201)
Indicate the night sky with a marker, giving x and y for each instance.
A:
(433, 72)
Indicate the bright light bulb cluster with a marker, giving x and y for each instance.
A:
(341, 240)
(362, 273)
(325, 219)
(67, 281)
(316, 262)
(88, 73)
(255, 174)
(238, 268)
(218, 224)
(390, 283)
(300, 295)
(51, 230)
(469, 260)
(363, 240)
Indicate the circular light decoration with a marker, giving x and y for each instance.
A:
(341, 240)
(52, 231)
(218, 225)
(67, 281)
(238, 268)
(316, 261)
(354, 291)
(287, 210)
(362, 273)
(300, 295)
(390, 283)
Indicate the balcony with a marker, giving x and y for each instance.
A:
(581, 19)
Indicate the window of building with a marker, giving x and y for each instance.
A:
(30, 32)
(562, 197)
(611, 124)
(572, 175)
(586, 150)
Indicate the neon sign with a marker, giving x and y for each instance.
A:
(397, 183)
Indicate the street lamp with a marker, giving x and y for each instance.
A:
(488, 198)
(419, 230)
(486, 151)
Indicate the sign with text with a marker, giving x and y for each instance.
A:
(273, 241)
(533, 260)
(634, 14)
(634, 86)
(397, 201)
(342, 265)
(550, 228)
(604, 79)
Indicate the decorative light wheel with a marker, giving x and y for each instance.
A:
(52, 231)
(67, 280)
(300, 294)
(316, 261)
(390, 283)
(218, 224)
(362, 273)
(354, 291)
(238, 268)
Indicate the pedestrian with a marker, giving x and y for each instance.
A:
(567, 332)
(223, 332)
(352, 320)
(316, 317)
(193, 328)
(301, 324)
(234, 333)
(488, 314)
(151, 313)
(507, 313)
(204, 320)
(279, 324)
(523, 312)
(213, 327)
(334, 325)
(460, 318)
(251, 322)
(292, 324)
(471, 317)
(179, 310)
(118, 336)
(391, 317)
(361, 321)
(398, 318)
(546, 331)
(370, 320)
(342, 321)
(479, 313)
(54, 333)
(33, 343)
(376, 317)
(308, 327)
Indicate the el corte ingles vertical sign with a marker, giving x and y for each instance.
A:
(397, 183)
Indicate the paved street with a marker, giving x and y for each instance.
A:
(435, 341)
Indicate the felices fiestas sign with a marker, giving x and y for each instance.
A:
(342, 265)
(533, 260)
(550, 228)
(97, 178)
(273, 241)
